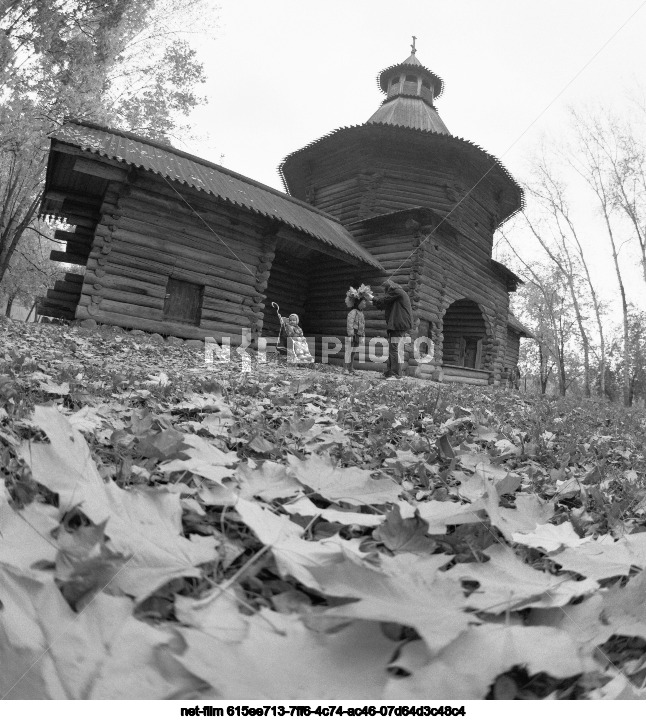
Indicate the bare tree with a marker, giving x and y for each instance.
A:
(550, 316)
(567, 253)
(594, 159)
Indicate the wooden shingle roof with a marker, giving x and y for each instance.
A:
(409, 112)
(176, 165)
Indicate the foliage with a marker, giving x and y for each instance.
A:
(126, 63)
(30, 272)
(168, 526)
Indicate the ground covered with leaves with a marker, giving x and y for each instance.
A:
(173, 529)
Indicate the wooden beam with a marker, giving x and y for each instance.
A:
(78, 249)
(100, 170)
(62, 257)
(81, 235)
(81, 220)
(65, 304)
(84, 211)
(60, 196)
(58, 295)
(65, 286)
(54, 312)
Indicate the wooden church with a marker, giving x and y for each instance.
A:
(180, 246)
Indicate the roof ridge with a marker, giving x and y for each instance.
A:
(200, 161)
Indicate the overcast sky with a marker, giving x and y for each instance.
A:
(285, 72)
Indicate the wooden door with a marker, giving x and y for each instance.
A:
(183, 301)
(478, 363)
(471, 352)
(462, 348)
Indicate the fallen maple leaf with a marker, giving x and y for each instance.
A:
(163, 444)
(439, 514)
(295, 662)
(304, 507)
(550, 538)
(621, 611)
(351, 485)
(424, 599)
(142, 523)
(467, 667)
(216, 614)
(47, 651)
(404, 535)
(597, 560)
(294, 556)
(505, 583)
(55, 389)
(26, 535)
(268, 481)
(203, 459)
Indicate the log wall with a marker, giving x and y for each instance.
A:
(148, 234)
(329, 281)
(448, 274)
(512, 349)
(382, 172)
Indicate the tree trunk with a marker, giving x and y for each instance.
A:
(32, 310)
(561, 362)
(9, 241)
(543, 370)
(624, 308)
(10, 300)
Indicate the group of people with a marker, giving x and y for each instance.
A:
(395, 303)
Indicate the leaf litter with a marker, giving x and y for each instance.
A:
(169, 526)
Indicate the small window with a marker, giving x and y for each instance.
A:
(411, 78)
(426, 84)
(183, 303)
(395, 80)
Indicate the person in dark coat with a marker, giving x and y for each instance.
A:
(399, 322)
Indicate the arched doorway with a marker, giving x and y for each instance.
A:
(464, 332)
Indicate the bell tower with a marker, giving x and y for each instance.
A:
(411, 90)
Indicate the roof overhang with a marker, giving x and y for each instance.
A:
(518, 327)
(485, 165)
(124, 152)
(513, 281)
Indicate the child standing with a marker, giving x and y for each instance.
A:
(357, 300)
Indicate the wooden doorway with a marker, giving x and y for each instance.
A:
(464, 331)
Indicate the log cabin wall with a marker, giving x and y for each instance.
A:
(448, 275)
(326, 311)
(189, 257)
(414, 174)
(335, 184)
(356, 175)
(152, 236)
(394, 171)
(512, 349)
